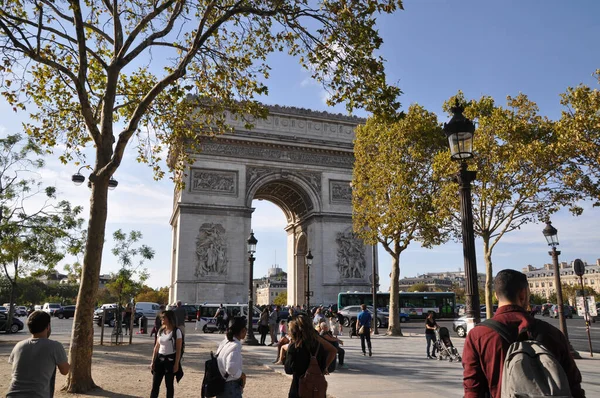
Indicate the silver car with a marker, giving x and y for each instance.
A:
(351, 312)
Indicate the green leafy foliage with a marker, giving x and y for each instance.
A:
(281, 299)
(128, 282)
(36, 229)
(394, 186)
(519, 168)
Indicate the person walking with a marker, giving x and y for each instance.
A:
(305, 342)
(157, 323)
(127, 317)
(318, 317)
(485, 350)
(263, 325)
(166, 357)
(229, 359)
(221, 319)
(180, 315)
(34, 360)
(363, 321)
(430, 326)
(273, 319)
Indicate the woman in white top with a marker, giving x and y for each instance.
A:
(229, 359)
(167, 355)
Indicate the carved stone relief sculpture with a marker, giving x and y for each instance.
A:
(340, 191)
(351, 256)
(224, 182)
(211, 251)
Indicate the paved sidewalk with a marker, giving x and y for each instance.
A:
(399, 368)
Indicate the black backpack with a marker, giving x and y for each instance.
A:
(213, 383)
(174, 341)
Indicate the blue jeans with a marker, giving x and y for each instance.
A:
(233, 389)
(430, 338)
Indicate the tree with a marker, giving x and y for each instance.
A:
(418, 287)
(393, 188)
(459, 292)
(519, 172)
(160, 295)
(129, 280)
(537, 299)
(87, 67)
(31, 234)
(579, 137)
(281, 299)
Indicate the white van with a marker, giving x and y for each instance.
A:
(206, 315)
(150, 310)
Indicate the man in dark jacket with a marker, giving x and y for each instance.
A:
(485, 350)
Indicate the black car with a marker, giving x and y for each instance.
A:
(65, 312)
(16, 323)
(190, 312)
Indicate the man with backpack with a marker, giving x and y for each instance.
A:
(515, 354)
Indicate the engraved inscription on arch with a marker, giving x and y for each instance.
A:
(215, 181)
(340, 192)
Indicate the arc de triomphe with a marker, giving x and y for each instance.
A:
(298, 159)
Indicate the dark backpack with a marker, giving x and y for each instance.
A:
(213, 383)
(313, 383)
(530, 369)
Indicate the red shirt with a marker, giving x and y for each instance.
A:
(484, 352)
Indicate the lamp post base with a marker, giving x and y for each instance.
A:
(250, 339)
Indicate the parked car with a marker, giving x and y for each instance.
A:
(553, 312)
(483, 308)
(21, 310)
(51, 308)
(16, 323)
(65, 312)
(3, 309)
(351, 312)
(546, 309)
(190, 311)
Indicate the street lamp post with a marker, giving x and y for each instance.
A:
(78, 179)
(579, 269)
(250, 339)
(459, 131)
(309, 259)
(551, 235)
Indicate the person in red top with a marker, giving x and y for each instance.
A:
(484, 352)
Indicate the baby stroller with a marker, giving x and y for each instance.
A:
(444, 346)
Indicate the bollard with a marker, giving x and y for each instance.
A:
(143, 325)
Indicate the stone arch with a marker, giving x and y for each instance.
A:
(292, 193)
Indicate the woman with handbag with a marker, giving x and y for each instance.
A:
(167, 355)
(306, 343)
(363, 328)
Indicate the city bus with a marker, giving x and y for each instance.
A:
(415, 304)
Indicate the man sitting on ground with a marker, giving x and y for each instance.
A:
(485, 350)
(35, 360)
(327, 335)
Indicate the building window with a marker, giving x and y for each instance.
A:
(543, 284)
(550, 284)
(591, 283)
(530, 284)
(537, 284)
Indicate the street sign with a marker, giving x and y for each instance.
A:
(591, 302)
(578, 267)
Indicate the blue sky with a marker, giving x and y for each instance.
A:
(433, 49)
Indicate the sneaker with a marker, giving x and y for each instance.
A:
(344, 366)
(364, 354)
(429, 357)
(370, 354)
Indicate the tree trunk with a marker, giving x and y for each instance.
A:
(394, 328)
(489, 279)
(79, 379)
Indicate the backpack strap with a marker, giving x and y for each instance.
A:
(504, 331)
